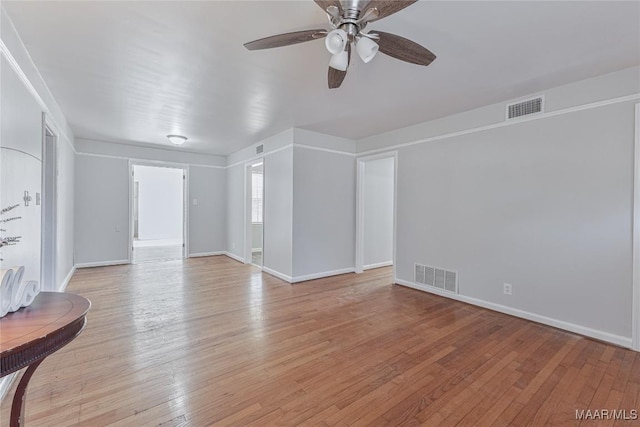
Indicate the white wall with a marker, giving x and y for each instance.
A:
(20, 166)
(323, 212)
(278, 213)
(271, 144)
(378, 212)
(95, 168)
(544, 205)
(307, 138)
(236, 188)
(102, 210)
(309, 218)
(207, 219)
(608, 86)
(160, 202)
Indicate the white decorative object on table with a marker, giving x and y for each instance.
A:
(14, 293)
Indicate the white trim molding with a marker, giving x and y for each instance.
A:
(233, 256)
(204, 254)
(598, 104)
(277, 274)
(66, 280)
(635, 327)
(147, 162)
(51, 121)
(326, 150)
(102, 263)
(259, 156)
(322, 275)
(567, 326)
(378, 265)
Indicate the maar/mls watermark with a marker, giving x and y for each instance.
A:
(607, 414)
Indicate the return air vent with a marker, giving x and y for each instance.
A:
(259, 148)
(436, 278)
(526, 107)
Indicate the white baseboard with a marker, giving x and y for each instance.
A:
(67, 279)
(377, 265)
(561, 324)
(298, 279)
(6, 383)
(201, 254)
(101, 263)
(233, 256)
(277, 274)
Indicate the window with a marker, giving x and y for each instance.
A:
(256, 196)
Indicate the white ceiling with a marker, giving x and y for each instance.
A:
(134, 72)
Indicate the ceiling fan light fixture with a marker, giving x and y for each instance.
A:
(336, 41)
(177, 139)
(366, 49)
(340, 61)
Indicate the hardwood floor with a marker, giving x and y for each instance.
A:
(157, 253)
(209, 341)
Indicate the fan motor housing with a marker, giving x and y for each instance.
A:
(351, 29)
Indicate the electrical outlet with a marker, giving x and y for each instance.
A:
(195, 202)
(117, 228)
(507, 288)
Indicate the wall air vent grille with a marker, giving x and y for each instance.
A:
(259, 149)
(524, 108)
(434, 277)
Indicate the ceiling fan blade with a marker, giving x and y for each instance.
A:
(388, 7)
(286, 39)
(324, 4)
(336, 77)
(404, 49)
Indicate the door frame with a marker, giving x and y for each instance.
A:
(360, 170)
(635, 327)
(49, 207)
(185, 199)
(248, 207)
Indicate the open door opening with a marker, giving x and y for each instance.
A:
(158, 213)
(255, 216)
(375, 230)
(49, 203)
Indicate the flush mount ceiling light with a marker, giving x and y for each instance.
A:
(177, 139)
(348, 20)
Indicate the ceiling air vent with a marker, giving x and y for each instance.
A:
(526, 107)
(259, 149)
(435, 277)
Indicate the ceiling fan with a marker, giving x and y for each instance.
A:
(348, 19)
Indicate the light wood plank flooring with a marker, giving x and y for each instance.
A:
(157, 253)
(209, 341)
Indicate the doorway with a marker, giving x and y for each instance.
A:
(49, 208)
(375, 222)
(158, 213)
(255, 214)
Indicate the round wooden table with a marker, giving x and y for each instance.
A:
(32, 333)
